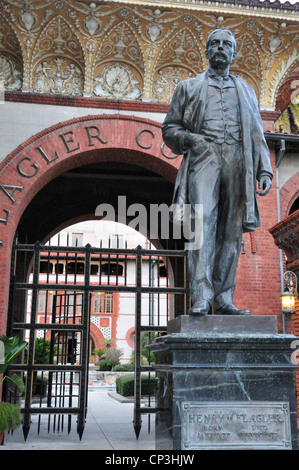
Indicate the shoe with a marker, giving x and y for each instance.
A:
(200, 308)
(231, 310)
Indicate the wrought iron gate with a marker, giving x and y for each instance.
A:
(50, 300)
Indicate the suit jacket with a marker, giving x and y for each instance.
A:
(186, 114)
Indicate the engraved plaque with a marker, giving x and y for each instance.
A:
(235, 425)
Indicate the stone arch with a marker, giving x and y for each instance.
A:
(96, 335)
(280, 81)
(287, 89)
(65, 146)
(288, 194)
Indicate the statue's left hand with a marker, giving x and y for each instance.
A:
(265, 184)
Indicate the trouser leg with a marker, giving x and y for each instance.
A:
(229, 226)
(203, 191)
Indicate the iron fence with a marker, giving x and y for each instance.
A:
(51, 301)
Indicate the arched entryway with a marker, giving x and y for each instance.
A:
(39, 180)
(61, 176)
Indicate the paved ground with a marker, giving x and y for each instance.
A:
(108, 427)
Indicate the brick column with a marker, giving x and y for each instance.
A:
(286, 237)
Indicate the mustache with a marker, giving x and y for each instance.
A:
(220, 54)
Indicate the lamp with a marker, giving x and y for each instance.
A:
(288, 302)
(289, 295)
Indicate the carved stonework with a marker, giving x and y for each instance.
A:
(10, 73)
(59, 76)
(63, 73)
(119, 65)
(166, 80)
(121, 44)
(11, 67)
(247, 62)
(117, 81)
(182, 48)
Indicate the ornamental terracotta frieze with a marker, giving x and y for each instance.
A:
(141, 50)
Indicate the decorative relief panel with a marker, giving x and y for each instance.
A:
(11, 67)
(119, 65)
(10, 72)
(182, 48)
(117, 81)
(59, 76)
(104, 324)
(58, 61)
(166, 80)
(121, 43)
(179, 59)
(247, 62)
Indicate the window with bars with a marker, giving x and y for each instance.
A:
(112, 269)
(44, 301)
(73, 302)
(103, 302)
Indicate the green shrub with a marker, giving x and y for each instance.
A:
(99, 352)
(113, 355)
(41, 351)
(143, 359)
(125, 385)
(10, 416)
(110, 358)
(123, 368)
(40, 386)
(104, 365)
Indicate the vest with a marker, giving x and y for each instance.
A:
(221, 121)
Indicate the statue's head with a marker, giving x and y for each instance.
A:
(221, 47)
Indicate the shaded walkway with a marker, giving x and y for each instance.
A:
(108, 427)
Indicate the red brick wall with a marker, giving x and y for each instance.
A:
(258, 274)
(296, 333)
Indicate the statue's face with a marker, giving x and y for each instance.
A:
(221, 49)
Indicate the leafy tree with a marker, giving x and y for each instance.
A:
(42, 351)
(146, 338)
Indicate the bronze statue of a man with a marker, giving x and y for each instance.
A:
(215, 122)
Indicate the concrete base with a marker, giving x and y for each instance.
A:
(231, 324)
(225, 382)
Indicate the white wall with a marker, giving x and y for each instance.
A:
(20, 121)
(288, 167)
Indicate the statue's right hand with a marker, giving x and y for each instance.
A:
(194, 140)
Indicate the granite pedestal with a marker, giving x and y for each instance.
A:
(225, 382)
